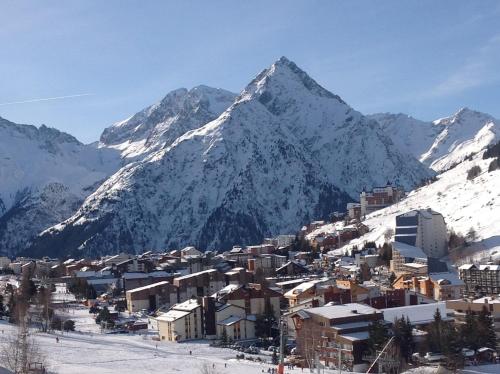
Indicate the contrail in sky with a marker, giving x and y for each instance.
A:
(46, 99)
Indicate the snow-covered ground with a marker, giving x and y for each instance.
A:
(88, 349)
(494, 368)
(464, 204)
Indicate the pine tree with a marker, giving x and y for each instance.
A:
(223, 338)
(486, 331)
(469, 331)
(434, 333)
(378, 335)
(403, 337)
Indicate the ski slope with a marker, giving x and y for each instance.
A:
(465, 204)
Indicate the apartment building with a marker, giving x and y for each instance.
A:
(331, 329)
(151, 297)
(425, 229)
(182, 322)
(480, 279)
(378, 198)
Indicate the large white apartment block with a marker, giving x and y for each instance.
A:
(425, 229)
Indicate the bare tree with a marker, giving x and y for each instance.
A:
(388, 234)
(19, 352)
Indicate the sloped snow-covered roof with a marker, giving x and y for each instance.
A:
(226, 290)
(331, 311)
(172, 315)
(417, 314)
(154, 285)
(489, 267)
(355, 336)
(466, 266)
(188, 305)
(304, 287)
(452, 278)
(233, 319)
(407, 250)
(154, 274)
(196, 274)
(487, 299)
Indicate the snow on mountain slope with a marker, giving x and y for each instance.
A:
(407, 132)
(352, 149)
(464, 133)
(280, 156)
(43, 168)
(160, 124)
(443, 143)
(464, 204)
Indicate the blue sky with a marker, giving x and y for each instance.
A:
(424, 58)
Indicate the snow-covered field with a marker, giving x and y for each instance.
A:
(88, 349)
(102, 353)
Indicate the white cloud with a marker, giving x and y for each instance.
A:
(479, 69)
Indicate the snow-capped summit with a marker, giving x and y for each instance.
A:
(281, 77)
(160, 124)
(284, 153)
(464, 133)
(445, 142)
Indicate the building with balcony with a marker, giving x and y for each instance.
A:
(480, 279)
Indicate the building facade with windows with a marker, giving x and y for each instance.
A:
(331, 329)
(425, 229)
(480, 279)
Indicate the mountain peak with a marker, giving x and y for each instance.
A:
(465, 115)
(284, 78)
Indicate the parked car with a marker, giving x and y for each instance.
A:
(434, 356)
(416, 357)
(467, 353)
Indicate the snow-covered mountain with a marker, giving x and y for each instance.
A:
(281, 155)
(45, 174)
(159, 125)
(445, 142)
